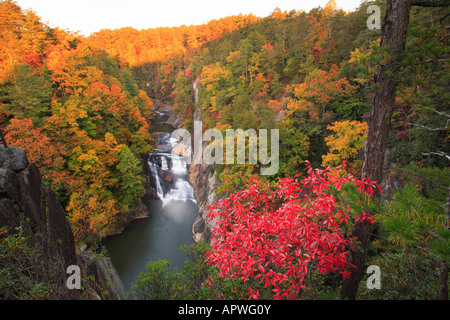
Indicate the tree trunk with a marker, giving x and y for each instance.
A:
(393, 35)
(443, 265)
(443, 280)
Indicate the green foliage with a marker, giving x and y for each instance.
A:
(131, 178)
(29, 95)
(158, 282)
(405, 275)
(432, 181)
(184, 99)
(420, 120)
(413, 240)
(411, 220)
(295, 148)
(235, 177)
(24, 275)
(130, 84)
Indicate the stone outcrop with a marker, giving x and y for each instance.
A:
(204, 182)
(100, 274)
(174, 119)
(13, 158)
(27, 204)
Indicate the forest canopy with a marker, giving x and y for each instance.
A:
(82, 108)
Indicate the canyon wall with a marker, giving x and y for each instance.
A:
(29, 208)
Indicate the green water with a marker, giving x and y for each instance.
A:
(155, 238)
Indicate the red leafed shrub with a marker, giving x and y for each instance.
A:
(275, 236)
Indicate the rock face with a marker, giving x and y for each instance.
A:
(13, 158)
(173, 119)
(26, 203)
(204, 182)
(103, 275)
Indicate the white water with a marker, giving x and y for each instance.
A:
(154, 171)
(163, 163)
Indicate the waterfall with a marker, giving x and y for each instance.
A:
(155, 175)
(195, 89)
(179, 166)
(170, 218)
(164, 165)
(169, 172)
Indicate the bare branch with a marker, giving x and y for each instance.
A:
(444, 114)
(439, 113)
(430, 129)
(437, 153)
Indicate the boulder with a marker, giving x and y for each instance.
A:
(13, 158)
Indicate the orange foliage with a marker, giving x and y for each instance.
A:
(45, 153)
(153, 45)
(319, 89)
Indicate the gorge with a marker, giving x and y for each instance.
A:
(174, 217)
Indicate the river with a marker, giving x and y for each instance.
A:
(170, 222)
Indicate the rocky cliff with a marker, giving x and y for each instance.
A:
(27, 205)
(204, 182)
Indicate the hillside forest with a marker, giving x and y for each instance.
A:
(83, 109)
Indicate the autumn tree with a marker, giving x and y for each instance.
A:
(29, 95)
(317, 92)
(93, 214)
(345, 142)
(80, 116)
(272, 240)
(47, 154)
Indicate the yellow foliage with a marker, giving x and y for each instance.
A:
(348, 138)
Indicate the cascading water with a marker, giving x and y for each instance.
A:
(169, 172)
(171, 217)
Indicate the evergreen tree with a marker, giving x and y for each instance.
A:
(130, 179)
(29, 95)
